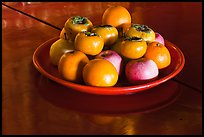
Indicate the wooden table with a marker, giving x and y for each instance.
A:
(28, 105)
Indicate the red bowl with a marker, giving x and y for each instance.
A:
(146, 101)
(42, 63)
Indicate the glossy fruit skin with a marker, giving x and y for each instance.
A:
(100, 73)
(118, 17)
(63, 34)
(159, 38)
(90, 45)
(141, 70)
(72, 29)
(113, 57)
(71, 66)
(159, 54)
(107, 32)
(133, 49)
(58, 48)
(135, 31)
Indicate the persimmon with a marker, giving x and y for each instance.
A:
(133, 47)
(118, 17)
(159, 54)
(107, 32)
(141, 31)
(71, 65)
(100, 73)
(77, 24)
(89, 43)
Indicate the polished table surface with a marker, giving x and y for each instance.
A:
(28, 99)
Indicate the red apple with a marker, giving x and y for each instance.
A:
(112, 57)
(139, 71)
(159, 38)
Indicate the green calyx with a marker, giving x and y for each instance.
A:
(133, 39)
(142, 28)
(87, 33)
(80, 20)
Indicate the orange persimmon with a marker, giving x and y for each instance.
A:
(89, 43)
(100, 73)
(159, 54)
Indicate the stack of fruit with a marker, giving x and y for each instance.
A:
(99, 55)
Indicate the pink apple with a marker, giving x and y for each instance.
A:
(141, 70)
(159, 38)
(112, 57)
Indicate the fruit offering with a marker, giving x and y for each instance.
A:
(101, 73)
(141, 31)
(159, 54)
(102, 55)
(107, 32)
(77, 24)
(89, 43)
(71, 65)
(141, 70)
(133, 47)
(118, 17)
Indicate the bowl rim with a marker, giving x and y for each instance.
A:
(106, 90)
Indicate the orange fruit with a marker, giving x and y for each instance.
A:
(107, 32)
(77, 24)
(159, 54)
(100, 73)
(71, 65)
(118, 17)
(89, 43)
(141, 31)
(133, 47)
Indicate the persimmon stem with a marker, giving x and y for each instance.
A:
(80, 20)
(142, 28)
(158, 44)
(90, 33)
(133, 39)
